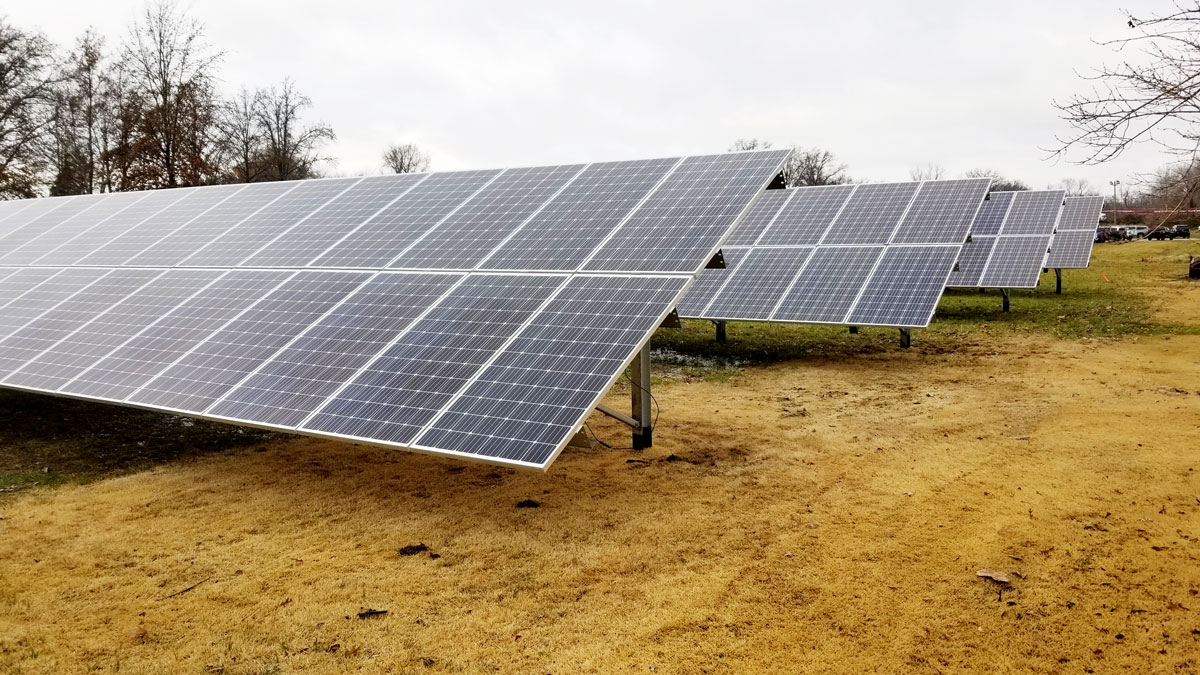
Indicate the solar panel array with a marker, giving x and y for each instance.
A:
(1009, 240)
(866, 255)
(477, 314)
(1072, 247)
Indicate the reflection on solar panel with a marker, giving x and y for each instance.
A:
(845, 254)
(1072, 246)
(477, 314)
(1009, 240)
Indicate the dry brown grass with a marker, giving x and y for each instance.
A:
(818, 515)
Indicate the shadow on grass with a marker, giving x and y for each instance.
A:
(46, 440)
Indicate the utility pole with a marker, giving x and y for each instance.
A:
(1114, 183)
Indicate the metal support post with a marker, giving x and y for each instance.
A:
(1058, 280)
(720, 330)
(1004, 292)
(982, 290)
(854, 330)
(642, 411)
(905, 338)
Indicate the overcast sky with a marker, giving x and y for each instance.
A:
(884, 85)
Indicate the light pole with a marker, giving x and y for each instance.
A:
(1114, 183)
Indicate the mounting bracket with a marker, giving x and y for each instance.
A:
(642, 419)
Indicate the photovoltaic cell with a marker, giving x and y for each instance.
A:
(91, 342)
(136, 362)
(705, 288)
(313, 235)
(674, 230)
(805, 219)
(942, 212)
(829, 284)
(300, 378)
(386, 235)
(524, 405)
(209, 226)
(761, 280)
(467, 236)
(762, 211)
(972, 261)
(225, 358)
(65, 318)
(905, 287)
(872, 215)
(1034, 212)
(124, 246)
(568, 229)
(401, 391)
(104, 207)
(272, 221)
(1016, 262)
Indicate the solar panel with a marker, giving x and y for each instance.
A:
(207, 372)
(220, 302)
(79, 350)
(122, 246)
(73, 249)
(481, 418)
(24, 247)
(764, 210)
(387, 234)
(972, 261)
(314, 235)
(199, 227)
(856, 254)
(710, 282)
(1016, 262)
(762, 278)
(872, 216)
(290, 387)
(1027, 218)
(43, 332)
(905, 288)
(464, 238)
(561, 235)
(138, 360)
(829, 284)
(399, 392)
(681, 224)
(263, 226)
(807, 216)
(1072, 246)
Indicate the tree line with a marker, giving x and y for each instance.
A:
(146, 113)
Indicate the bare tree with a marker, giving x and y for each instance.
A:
(241, 139)
(171, 69)
(999, 182)
(814, 166)
(743, 144)
(290, 149)
(82, 100)
(1075, 187)
(406, 158)
(928, 171)
(1153, 99)
(28, 81)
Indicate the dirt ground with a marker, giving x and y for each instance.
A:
(824, 514)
